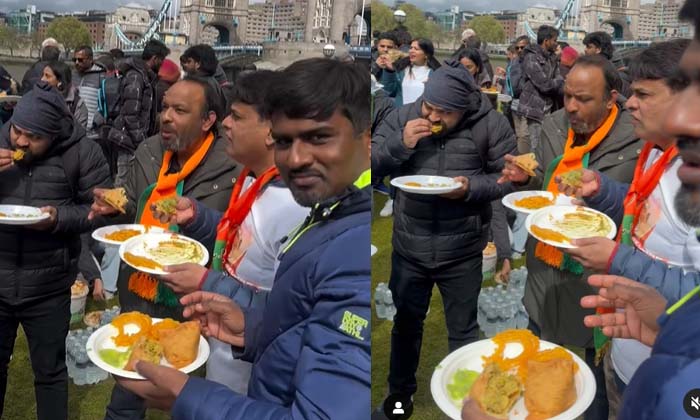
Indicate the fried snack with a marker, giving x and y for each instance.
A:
(549, 234)
(572, 178)
(78, 288)
(534, 202)
(525, 338)
(122, 235)
(395, 55)
(92, 319)
(436, 128)
(555, 353)
(490, 249)
(116, 198)
(18, 155)
(166, 324)
(167, 205)
(549, 388)
(143, 262)
(496, 391)
(145, 349)
(142, 321)
(181, 344)
(527, 163)
(413, 184)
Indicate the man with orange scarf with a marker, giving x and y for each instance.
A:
(651, 229)
(592, 131)
(187, 158)
(248, 238)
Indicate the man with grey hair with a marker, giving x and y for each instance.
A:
(49, 52)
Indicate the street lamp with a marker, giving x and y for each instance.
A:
(328, 50)
(400, 16)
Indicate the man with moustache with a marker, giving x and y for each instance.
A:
(187, 158)
(599, 135)
(664, 385)
(311, 343)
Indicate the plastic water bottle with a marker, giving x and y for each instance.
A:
(379, 306)
(389, 302)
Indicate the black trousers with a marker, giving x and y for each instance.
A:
(411, 287)
(45, 323)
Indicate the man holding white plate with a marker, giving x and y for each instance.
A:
(451, 131)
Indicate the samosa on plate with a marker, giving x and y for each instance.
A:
(144, 349)
(181, 344)
(496, 391)
(549, 388)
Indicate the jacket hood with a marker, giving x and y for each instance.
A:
(96, 68)
(136, 63)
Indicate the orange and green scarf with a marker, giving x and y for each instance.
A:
(168, 185)
(238, 208)
(574, 157)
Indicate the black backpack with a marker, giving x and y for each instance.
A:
(109, 97)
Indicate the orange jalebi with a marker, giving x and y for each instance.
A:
(166, 324)
(142, 321)
(526, 339)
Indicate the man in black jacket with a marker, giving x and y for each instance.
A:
(439, 239)
(38, 262)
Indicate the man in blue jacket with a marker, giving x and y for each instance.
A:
(663, 386)
(311, 344)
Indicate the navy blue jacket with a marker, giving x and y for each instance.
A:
(672, 282)
(311, 345)
(657, 389)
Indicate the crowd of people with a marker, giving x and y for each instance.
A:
(270, 172)
(628, 125)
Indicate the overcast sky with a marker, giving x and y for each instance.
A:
(80, 5)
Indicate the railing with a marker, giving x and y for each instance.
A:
(628, 44)
(229, 50)
(361, 51)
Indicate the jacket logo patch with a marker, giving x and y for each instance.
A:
(353, 325)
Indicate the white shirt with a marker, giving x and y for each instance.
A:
(661, 234)
(273, 216)
(413, 83)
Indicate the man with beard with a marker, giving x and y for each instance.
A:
(311, 343)
(439, 239)
(187, 158)
(39, 262)
(663, 386)
(649, 227)
(600, 136)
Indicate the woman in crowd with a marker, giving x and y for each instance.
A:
(58, 75)
(405, 79)
(471, 59)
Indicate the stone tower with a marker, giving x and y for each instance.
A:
(622, 15)
(330, 20)
(214, 21)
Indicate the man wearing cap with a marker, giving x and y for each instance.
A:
(39, 262)
(439, 239)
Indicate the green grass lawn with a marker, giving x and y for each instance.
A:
(85, 402)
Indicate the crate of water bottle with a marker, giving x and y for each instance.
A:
(516, 281)
(80, 368)
(497, 310)
(108, 315)
(384, 302)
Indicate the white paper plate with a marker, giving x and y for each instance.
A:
(372, 250)
(30, 215)
(442, 184)
(543, 217)
(469, 357)
(102, 339)
(138, 244)
(99, 234)
(510, 199)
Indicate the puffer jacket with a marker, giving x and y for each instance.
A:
(311, 345)
(432, 230)
(541, 82)
(35, 264)
(136, 119)
(88, 85)
(658, 388)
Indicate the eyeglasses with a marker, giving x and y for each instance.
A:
(79, 60)
(519, 48)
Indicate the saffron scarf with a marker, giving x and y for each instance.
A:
(643, 184)
(574, 157)
(142, 284)
(238, 208)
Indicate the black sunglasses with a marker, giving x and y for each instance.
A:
(79, 60)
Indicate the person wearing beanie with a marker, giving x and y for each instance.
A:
(168, 74)
(39, 261)
(568, 57)
(451, 130)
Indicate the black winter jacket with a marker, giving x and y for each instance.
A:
(36, 264)
(541, 83)
(136, 119)
(428, 229)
